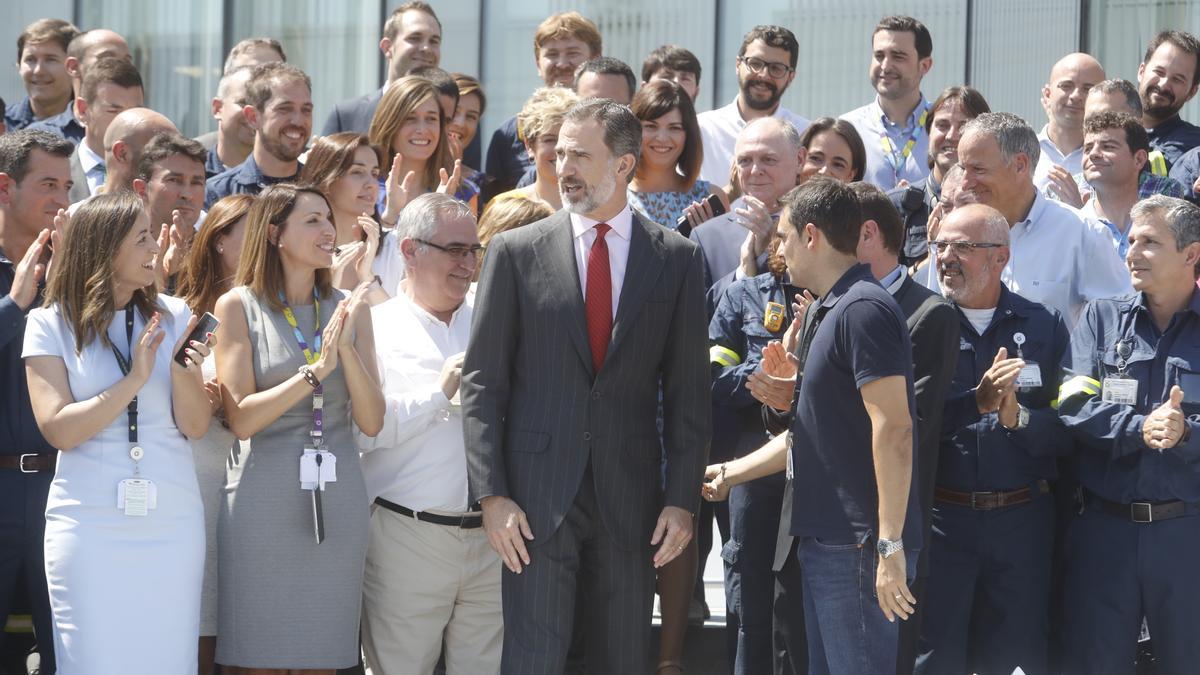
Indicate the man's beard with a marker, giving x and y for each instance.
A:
(590, 197)
(1160, 111)
(772, 100)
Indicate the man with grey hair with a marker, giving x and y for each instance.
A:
(582, 319)
(767, 158)
(233, 140)
(431, 579)
(987, 601)
(1058, 259)
(1132, 406)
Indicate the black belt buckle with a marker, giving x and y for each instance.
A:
(1141, 512)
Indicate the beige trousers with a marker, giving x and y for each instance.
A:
(426, 585)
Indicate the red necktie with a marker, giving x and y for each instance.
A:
(598, 301)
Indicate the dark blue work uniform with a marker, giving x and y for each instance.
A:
(987, 600)
(737, 334)
(1133, 551)
(245, 178)
(22, 493)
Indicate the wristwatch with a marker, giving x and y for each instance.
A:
(887, 548)
(1022, 419)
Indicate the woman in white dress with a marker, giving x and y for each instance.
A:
(207, 273)
(124, 522)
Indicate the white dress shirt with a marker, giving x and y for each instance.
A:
(93, 167)
(584, 230)
(418, 460)
(1051, 156)
(389, 263)
(1057, 258)
(719, 130)
(872, 125)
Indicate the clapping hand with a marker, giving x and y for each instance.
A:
(450, 182)
(1166, 425)
(30, 272)
(998, 382)
(145, 349)
(398, 190)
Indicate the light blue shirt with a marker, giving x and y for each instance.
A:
(885, 142)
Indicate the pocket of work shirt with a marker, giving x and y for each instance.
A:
(1182, 374)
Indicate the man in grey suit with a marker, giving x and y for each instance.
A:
(768, 156)
(581, 320)
(412, 38)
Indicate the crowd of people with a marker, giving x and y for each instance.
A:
(276, 402)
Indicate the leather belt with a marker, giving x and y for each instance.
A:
(988, 501)
(30, 462)
(467, 521)
(1141, 512)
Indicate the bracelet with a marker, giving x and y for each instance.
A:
(723, 471)
(309, 376)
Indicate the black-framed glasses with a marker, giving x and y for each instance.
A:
(960, 247)
(774, 69)
(458, 252)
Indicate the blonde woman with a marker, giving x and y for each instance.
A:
(539, 122)
(124, 521)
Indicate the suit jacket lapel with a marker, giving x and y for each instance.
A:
(646, 257)
(557, 253)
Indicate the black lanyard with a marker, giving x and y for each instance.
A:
(126, 365)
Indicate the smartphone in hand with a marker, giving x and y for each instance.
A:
(207, 324)
(682, 226)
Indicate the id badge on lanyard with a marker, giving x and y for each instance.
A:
(318, 466)
(136, 496)
(1120, 389)
(1030, 377)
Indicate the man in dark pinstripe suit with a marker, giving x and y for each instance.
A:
(580, 320)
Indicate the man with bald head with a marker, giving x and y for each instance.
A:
(127, 135)
(233, 140)
(84, 51)
(1063, 98)
(987, 602)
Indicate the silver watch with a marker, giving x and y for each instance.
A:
(1022, 419)
(887, 548)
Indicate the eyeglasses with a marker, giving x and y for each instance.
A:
(456, 252)
(757, 65)
(960, 247)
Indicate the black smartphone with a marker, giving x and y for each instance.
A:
(682, 226)
(207, 324)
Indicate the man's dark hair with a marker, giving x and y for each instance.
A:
(968, 97)
(907, 24)
(622, 129)
(109, 71)
(442, 81)
(391, 27)
(164, 145)
(53, 30)
(17, 147)
(1184, 41)
(831, 206)
(607, 65)
(266, 76)
(673, 57)
(1125, 88)
(876, 206)
(1135, 134)
(249, 44)
(773, 36)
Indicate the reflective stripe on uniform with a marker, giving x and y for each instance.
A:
(1158, 163)
(1080, 385)
(723, 356)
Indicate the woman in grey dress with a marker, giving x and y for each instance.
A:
(286, 600)
(207, 273)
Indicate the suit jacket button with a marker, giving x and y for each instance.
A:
(587, 435)
(595, 396)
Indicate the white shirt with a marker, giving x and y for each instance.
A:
(872, 125)
(719, 130)
(979, 318)
(418, 459)
(92, 165)
(389, 264)
(1051, 156)
(584, 230)
(1058, 258)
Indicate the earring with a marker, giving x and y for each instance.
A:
(220, 249)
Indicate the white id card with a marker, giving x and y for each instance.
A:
(137, 496)
(1119, 390)
(1030, 376)
(791, 472)
(314, 473)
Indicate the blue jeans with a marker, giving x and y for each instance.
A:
(847, 631)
